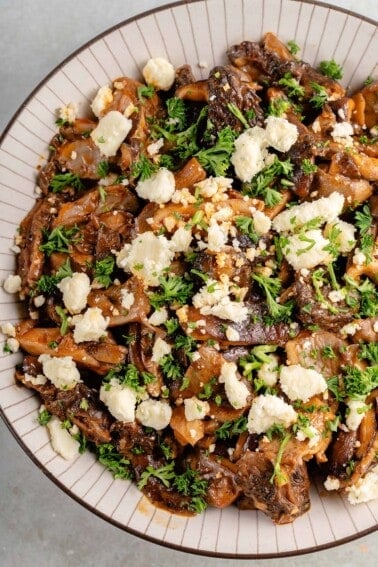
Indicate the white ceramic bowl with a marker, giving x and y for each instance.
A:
(197, 33)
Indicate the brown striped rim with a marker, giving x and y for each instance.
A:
(26, 449)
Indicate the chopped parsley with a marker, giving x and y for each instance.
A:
(271, 288)
(261, 185)
(44, 417)
(364, 221)
(292, 86)
(232, 428)
(216, 159)
(62, 180)
(116, 463)
(172, 289)
(246, 226)
(103, 169)
(103, 269)
(331, 69)
(60, 239)
(47, 284)
(144, 92)
(319, 96)
(144, 168)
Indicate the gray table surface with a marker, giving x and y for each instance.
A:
(39, 524)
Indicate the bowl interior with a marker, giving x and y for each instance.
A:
(196, 33)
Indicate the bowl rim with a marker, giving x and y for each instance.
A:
(22, 444)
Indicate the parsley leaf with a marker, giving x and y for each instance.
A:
(216, 160)
(113, 461)
(143, 168)
(44, 417)
(363, 221)
(176, 114)
(319, 96)
(59, 239)
(359, 383)
(232, 428)
(62, 180)
(291, 85)
(261, 184)
(47, 284)
(271, 288)
(165, 474)
(331, 69)
(103, 270)
(144, 92)
(246, 226)
(369, 351)
(173, 289)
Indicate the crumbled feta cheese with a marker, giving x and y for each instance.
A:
(269, 410)
(39, 300)
(349, 329)
(210, 186)
(110, 132)
(268, 371)
(158, 317)
(38, 380)
(355, 413)
(331, 483)
(181, 240)
(154, 413)
(120, 400)
(359, 258)
(103, 98)
(13, 344)
(146, 257)
(307, 250)
(68, 112)
(236, 391)
(280, 133)
(300, 383)
(217, 236)
(261, 223)
(158, 188)
(90, 326)
(336, 295)
(160, 349)
(375, 326)
(251, 154)
(128, 298)
(326, 208)
(159, 73)
(342, 132)
(61, 371)
(75, 290)
(183, 196)
(213, 299)
(365, 489)
(195, 408)
(232, 334)
(12, 284)
(345, 240)
(8, 329)
(62, 442)
(154, 148)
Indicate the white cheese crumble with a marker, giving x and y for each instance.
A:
(103, 98)
(8, 329)
(336, 295)
(154, 148)
(90, 326)
(213, 299)
(355, 413)
(181, 240)
(38, 380)
(251, 154)
(268, 372)
(307, 250)
(61, 371)
(359, 258)
(300, 383)
(236, 391)
(349, 329)
(13, 344)
(345, 240)
(110, 132)
(146, 257)
(269, 410)
(12, 284)
(75, 290)
(154, 413)
(331, 483)
(128, 298)
(342, 132)
(195, 408)
(280, 133)
(159, 73)
(365, 489)
(232, 334)
(158, 188)
(159, 317)
(39, 300)
(68, 112)
(326, 208)
(261, 223)
(217, 236)
(212, 186)
(120, 400)
(161, 348)
(61, 441)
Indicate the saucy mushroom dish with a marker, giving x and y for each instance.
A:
(199, 274)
